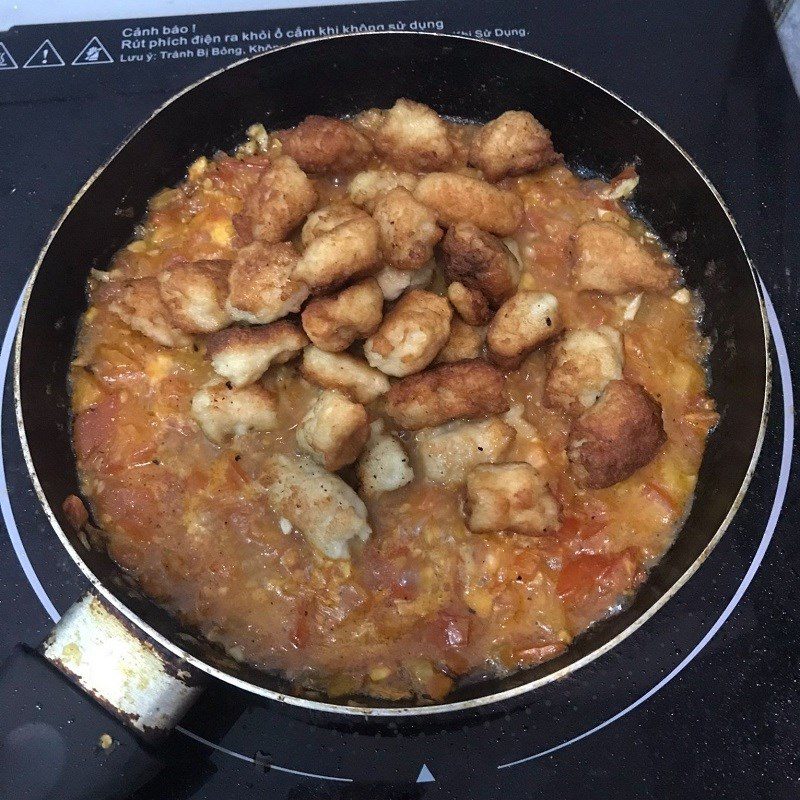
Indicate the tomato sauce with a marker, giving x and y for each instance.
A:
(424, 600)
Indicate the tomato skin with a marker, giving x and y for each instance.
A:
(590, 584)
(581, 527)
(300, 631)
(449, 631)
(658, 494)
(570, 527)
(536, 655)
(237, 175)
(587, 571)
(583, 534)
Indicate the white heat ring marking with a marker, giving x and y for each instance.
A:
(777, 505)
(251, 760)
(5, 504)
(783, 480)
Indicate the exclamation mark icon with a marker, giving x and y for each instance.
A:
(45, 55)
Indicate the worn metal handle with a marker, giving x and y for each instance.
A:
(57, 742)
(140, 683)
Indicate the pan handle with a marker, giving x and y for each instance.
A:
(56, 742)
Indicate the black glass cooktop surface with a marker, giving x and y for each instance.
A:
(702, 700)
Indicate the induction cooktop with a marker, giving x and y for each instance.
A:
(700, 701)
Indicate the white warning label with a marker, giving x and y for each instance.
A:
(45, 55)
(153, 43)
(6, 59)
(94, 52)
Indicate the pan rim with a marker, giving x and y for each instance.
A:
(381, 711)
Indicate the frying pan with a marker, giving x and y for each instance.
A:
(465, 79)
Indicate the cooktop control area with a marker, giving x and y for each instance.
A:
(705, 693)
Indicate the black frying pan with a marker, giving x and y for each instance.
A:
(462, 78)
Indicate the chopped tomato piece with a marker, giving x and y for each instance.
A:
(570, 527)
(591, 584)
(586, 572)
(449, 630)
(699, 423)
(582, 533)
(94, 428)
(76, 511)
(536, 655)
(300, 631)
(580, 527)
(238, 476)
(658, 494)
(135, 506)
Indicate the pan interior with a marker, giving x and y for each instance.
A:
(462, 79)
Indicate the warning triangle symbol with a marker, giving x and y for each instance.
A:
(425, 775)
(93, 53)
(45, 55)
(6, 60)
